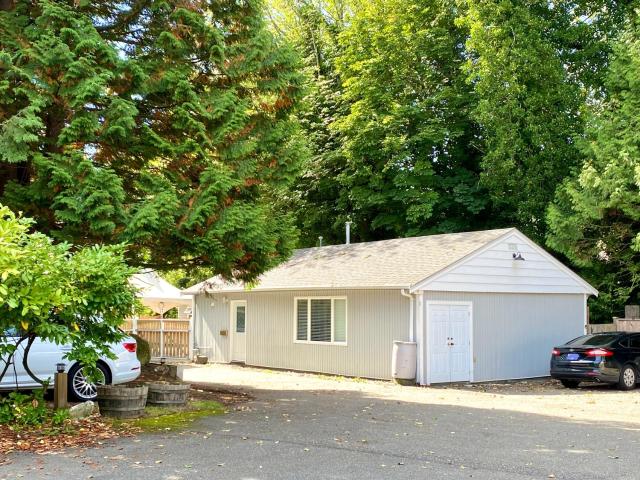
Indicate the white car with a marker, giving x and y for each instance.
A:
(44, 356)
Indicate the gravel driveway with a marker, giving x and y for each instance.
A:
(312, 427)
(592, 403)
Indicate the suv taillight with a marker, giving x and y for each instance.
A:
(130, 346)
(555, 352)
(598, 352)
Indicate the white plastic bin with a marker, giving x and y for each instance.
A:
(403, 361)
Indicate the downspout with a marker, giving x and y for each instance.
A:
(404, 293)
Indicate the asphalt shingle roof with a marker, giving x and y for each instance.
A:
(397, 263)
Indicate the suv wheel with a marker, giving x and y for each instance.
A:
(570, 383)
(628, 378)
(80, 388)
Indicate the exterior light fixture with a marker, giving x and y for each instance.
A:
(60, 367)
(518, 256)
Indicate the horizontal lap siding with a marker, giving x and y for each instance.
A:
(375, 318)
(513, 334)
(494, 270)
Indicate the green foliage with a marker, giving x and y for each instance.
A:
(58, 417)
(412, 166)
(163, 125)
(527, 106)
(50, 291)
(313, 27)
(595, 219)
(143, 351)
(22, 410)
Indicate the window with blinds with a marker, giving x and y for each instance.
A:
(321, 320)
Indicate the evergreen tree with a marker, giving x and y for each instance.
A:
(595, 219)
(162, 124)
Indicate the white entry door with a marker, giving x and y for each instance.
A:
(238, 331)
(449, 343)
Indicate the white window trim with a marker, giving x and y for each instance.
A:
(310, 342)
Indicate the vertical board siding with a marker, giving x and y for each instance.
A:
(211, 316)
(375, 318)
(513, 334)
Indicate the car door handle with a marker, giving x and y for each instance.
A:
(65, 349)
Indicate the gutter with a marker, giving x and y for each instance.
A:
(404, 293)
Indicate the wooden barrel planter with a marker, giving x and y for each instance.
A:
(168, 394)
(122, 401)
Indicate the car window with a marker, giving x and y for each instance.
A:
(598, 340)
(635, 341)
(624, 342)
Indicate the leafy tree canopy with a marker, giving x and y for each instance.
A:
(411, 163)
(161, 124)
(77, 298)
(313, 27)
(595, 219)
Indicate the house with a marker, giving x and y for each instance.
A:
(481, 306)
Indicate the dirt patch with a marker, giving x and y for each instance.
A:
(198, 391)
(87, 432)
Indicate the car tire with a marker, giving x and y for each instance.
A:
(628, 378)
(79, 389)
(570, 383)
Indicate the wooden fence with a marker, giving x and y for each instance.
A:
(618, 325)
(168, 337)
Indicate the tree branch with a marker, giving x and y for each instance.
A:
(25, 360)
(9, 360)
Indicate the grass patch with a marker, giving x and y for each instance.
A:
(173, 418)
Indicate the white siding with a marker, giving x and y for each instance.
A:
(494, 270)
(211, 315)
(375, 318)
(513, 334)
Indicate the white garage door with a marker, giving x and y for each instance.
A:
(449, 343)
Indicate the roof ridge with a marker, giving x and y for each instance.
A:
(371, 242)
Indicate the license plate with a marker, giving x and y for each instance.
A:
(573, 356)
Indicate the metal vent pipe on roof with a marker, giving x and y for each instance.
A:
(348, 232)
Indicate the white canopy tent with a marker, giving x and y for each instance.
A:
(167, 337)
(158, 294)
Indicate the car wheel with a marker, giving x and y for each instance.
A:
(80, 388)
(570, 383)
(628, 378)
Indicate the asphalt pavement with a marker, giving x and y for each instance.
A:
(333, 434)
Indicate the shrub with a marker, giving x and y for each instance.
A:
(143, 350)
(22, 410)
